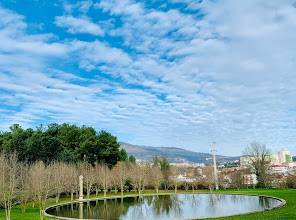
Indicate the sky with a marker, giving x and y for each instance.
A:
(180, 73)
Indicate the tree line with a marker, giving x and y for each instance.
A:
(65, 142)
(21, 183)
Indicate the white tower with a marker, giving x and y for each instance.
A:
(80, 188)
(213, 150)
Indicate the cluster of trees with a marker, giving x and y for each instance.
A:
(65, 142)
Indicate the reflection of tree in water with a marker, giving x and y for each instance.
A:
(194, 199)
(139, 207)
(264, 202)
(108, 209)
(214, 200)
(238, 199)
(166, 203)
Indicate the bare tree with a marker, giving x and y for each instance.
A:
(2, 179)
(9, 182)
(25, 191)
(155, 177)
(115, 177)
(98, 177)
(59, 172)
(104, 179)
(209, 179)
(89, 175)
(237, 179)
(71, 179)
(41, 184)
(259, 161)
(175, 173)
(120, 174)
(138, 177)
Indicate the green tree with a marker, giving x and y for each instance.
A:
(164, 166)
(132, 159)
(65, 142)
(108, 148)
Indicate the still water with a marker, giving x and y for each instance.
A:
(165, 207)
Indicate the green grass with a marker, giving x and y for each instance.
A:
(285, 213)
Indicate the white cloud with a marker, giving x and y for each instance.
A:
(82, 6)
(97, 54)
(125, 7)
(82, 25)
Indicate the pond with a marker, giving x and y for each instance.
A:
(164, 207)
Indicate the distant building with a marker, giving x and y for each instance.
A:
(281, 157)
(188, 164)
(279, 169)
(250, 180)
(292, 165)
(284, 156)
(182, 178)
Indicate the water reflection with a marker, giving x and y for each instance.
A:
(180, 206)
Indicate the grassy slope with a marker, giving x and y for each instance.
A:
(284, 213)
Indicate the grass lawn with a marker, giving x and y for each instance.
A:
(284, 213)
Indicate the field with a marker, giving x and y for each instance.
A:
(284, 213)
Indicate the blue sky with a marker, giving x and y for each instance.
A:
(178, 73)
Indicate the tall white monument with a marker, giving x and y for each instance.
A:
(80, 188)
(213, 150)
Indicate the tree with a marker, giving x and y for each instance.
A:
(71, 179)
(209, 180)
(123, 156)
(68, 143)
(59, 173)
(89, 174)
(108, 148)
(237, 179)
(259, 161)
(174, 177)
(14, 141)
(132, 159)
(9, 182)
(91, 151)
(104, 178)
(164, 166)
(291, 181)
(41, 184)
(138, 176)
(155, 177)
(120, 172)
(25, 191)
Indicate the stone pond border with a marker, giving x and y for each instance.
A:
(283, 203)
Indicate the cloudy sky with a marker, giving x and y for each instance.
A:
(178, 73)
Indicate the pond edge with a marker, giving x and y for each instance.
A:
(283, 203)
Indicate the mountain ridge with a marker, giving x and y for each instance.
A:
(173, 154)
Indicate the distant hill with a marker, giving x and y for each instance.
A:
(173, 154)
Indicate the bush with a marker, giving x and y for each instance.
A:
(291, 182)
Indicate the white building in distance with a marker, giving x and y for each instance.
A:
(284, 156)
